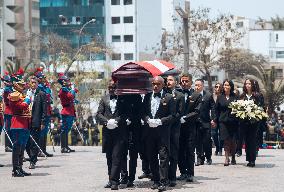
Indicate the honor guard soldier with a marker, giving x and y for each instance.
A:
(43, 85)
(67, 98)
(1, 113)
(8, 88)
(20, 123)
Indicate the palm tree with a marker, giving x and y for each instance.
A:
(271, 86)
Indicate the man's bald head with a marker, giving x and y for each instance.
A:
(158, 84)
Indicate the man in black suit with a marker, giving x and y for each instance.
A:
(175, 128)
(38, 119)
(159, 113)
(206, 120)
(111, 114)
(187, 138)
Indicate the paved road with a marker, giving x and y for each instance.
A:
(85, 171)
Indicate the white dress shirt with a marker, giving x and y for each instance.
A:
(112, 104)
(155, 103)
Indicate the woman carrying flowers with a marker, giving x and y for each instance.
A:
(227, 122)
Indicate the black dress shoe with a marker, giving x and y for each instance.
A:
(25, 173)
(130, 184)
(143, 176)
(71, 150)
(182, 177)
(48, 154)
(189, 178)
(17, 173)
(1, 165)
(233, 162)
(239, 154)
(114, 187)
(32, 165)
(8, 149)
(216, 153)
(108, 185)
(209, 161)
(162, 187)
(199, 162)
(155, 186)
(251, 164)
(64, 150)
(172, 183)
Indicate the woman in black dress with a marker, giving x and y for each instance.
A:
(247, 127)
(228, 124)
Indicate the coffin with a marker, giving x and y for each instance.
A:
(132, 79)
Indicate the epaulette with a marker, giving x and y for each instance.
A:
(15, 96)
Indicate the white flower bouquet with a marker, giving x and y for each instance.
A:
(247, 110)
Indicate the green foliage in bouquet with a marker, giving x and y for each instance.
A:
(247, 110)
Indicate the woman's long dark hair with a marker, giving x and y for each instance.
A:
(231, 85)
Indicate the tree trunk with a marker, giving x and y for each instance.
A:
(209, 79)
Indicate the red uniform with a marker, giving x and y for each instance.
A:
(67, 102)
(20, 110)
(8, 110)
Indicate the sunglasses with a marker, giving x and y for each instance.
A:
(185, 81)
(217, 86)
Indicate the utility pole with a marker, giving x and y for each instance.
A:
(185, 14)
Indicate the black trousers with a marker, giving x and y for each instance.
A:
(158, 155)
(249, 131)
(114, 153)
(240, 140)
(31, 148)
(186, 156)
(174, 150)
(204, 143)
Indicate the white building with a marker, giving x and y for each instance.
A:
(134, 28)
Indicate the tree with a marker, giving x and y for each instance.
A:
(209, 37)
(277, 23)
(238, 62)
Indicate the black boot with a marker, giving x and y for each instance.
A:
(44, 147)
(15, 161)
(66, 141)
(21, 159)
(63, 143)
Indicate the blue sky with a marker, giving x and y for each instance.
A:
(247, 8)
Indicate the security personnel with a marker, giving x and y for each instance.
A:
(186, 157)
(175, 128)
(112, 115)
(20, 123)
(38, 119)
(8, 88)
(67, 98)
(43, 85)
(159, 114)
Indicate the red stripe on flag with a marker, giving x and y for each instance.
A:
(149, 67)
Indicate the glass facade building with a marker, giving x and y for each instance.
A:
(67, 17)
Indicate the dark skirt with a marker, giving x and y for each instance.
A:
(228, 130)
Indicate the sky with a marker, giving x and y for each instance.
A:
(248, 8)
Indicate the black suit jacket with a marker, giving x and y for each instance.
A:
(223, 112)
(207, 110)
(104, 114)
(179, 100)
(192, 108)
(165, 112)
(38, 109)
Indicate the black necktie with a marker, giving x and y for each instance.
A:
(112, 97)
(157, 94)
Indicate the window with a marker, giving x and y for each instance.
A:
(115, 20)
(128, 19)
(240, 24)
(213, 78)
(128, 38)
(35, 5)
(128, 56)
(279, 54)
(115, 2)
(116, 38)
(127, 2)
(116, 56)
(277, 37)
